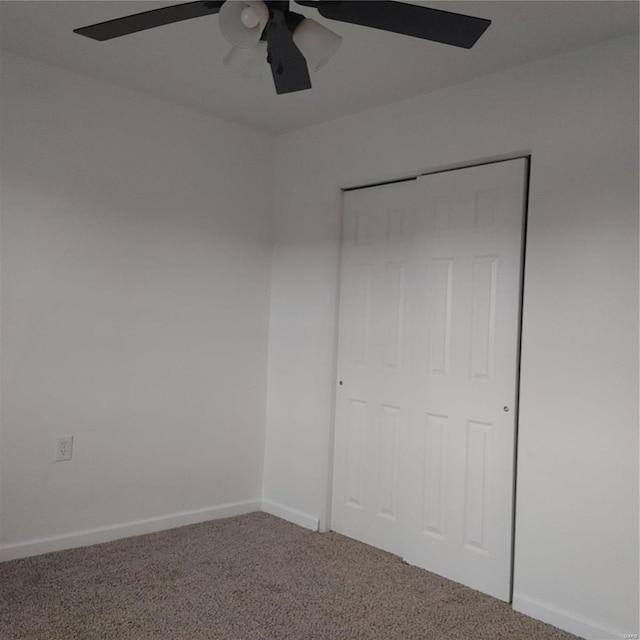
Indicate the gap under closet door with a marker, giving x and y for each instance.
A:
(427, 353)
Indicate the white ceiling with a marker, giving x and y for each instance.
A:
(182, 62)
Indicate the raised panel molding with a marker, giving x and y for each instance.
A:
(477, 455)
(483, 317)
(361, 312)
(396, 225)
(440, 326)
(357, 427)
(387, 472)
(394, 312)
(363, 228)
(442, 215)
(485, 207)
(435, 446)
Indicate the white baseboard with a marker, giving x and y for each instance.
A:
(292, 515)
(124, 530)
(566, 620)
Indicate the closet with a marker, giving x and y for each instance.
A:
(428, 347)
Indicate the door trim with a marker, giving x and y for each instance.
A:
(412, 175)
(523, 263)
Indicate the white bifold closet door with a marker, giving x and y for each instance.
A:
(427, 364)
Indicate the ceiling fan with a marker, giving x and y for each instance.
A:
(267, 30)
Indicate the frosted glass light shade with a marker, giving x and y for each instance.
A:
(247, 62)
(316, 43)
(235, 15)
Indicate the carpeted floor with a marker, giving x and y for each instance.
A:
(252, 577)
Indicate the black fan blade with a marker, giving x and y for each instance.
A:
(408, 19)
(288, 65)
(149, 20)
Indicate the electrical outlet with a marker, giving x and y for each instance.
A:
(64, 448)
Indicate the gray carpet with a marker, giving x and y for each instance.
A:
(253, 577)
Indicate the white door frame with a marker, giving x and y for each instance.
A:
(325, 517)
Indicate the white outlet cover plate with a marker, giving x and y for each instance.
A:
(64, 448)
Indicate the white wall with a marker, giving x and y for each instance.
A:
(136, 247)
(576, 559)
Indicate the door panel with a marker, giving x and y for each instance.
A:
(371, 406)
(459, 441)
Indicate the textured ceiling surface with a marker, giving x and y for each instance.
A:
(182, 62)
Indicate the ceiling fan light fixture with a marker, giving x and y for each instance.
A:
(247, 62)
(316, 43)
(295, 43)
(243, 21)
